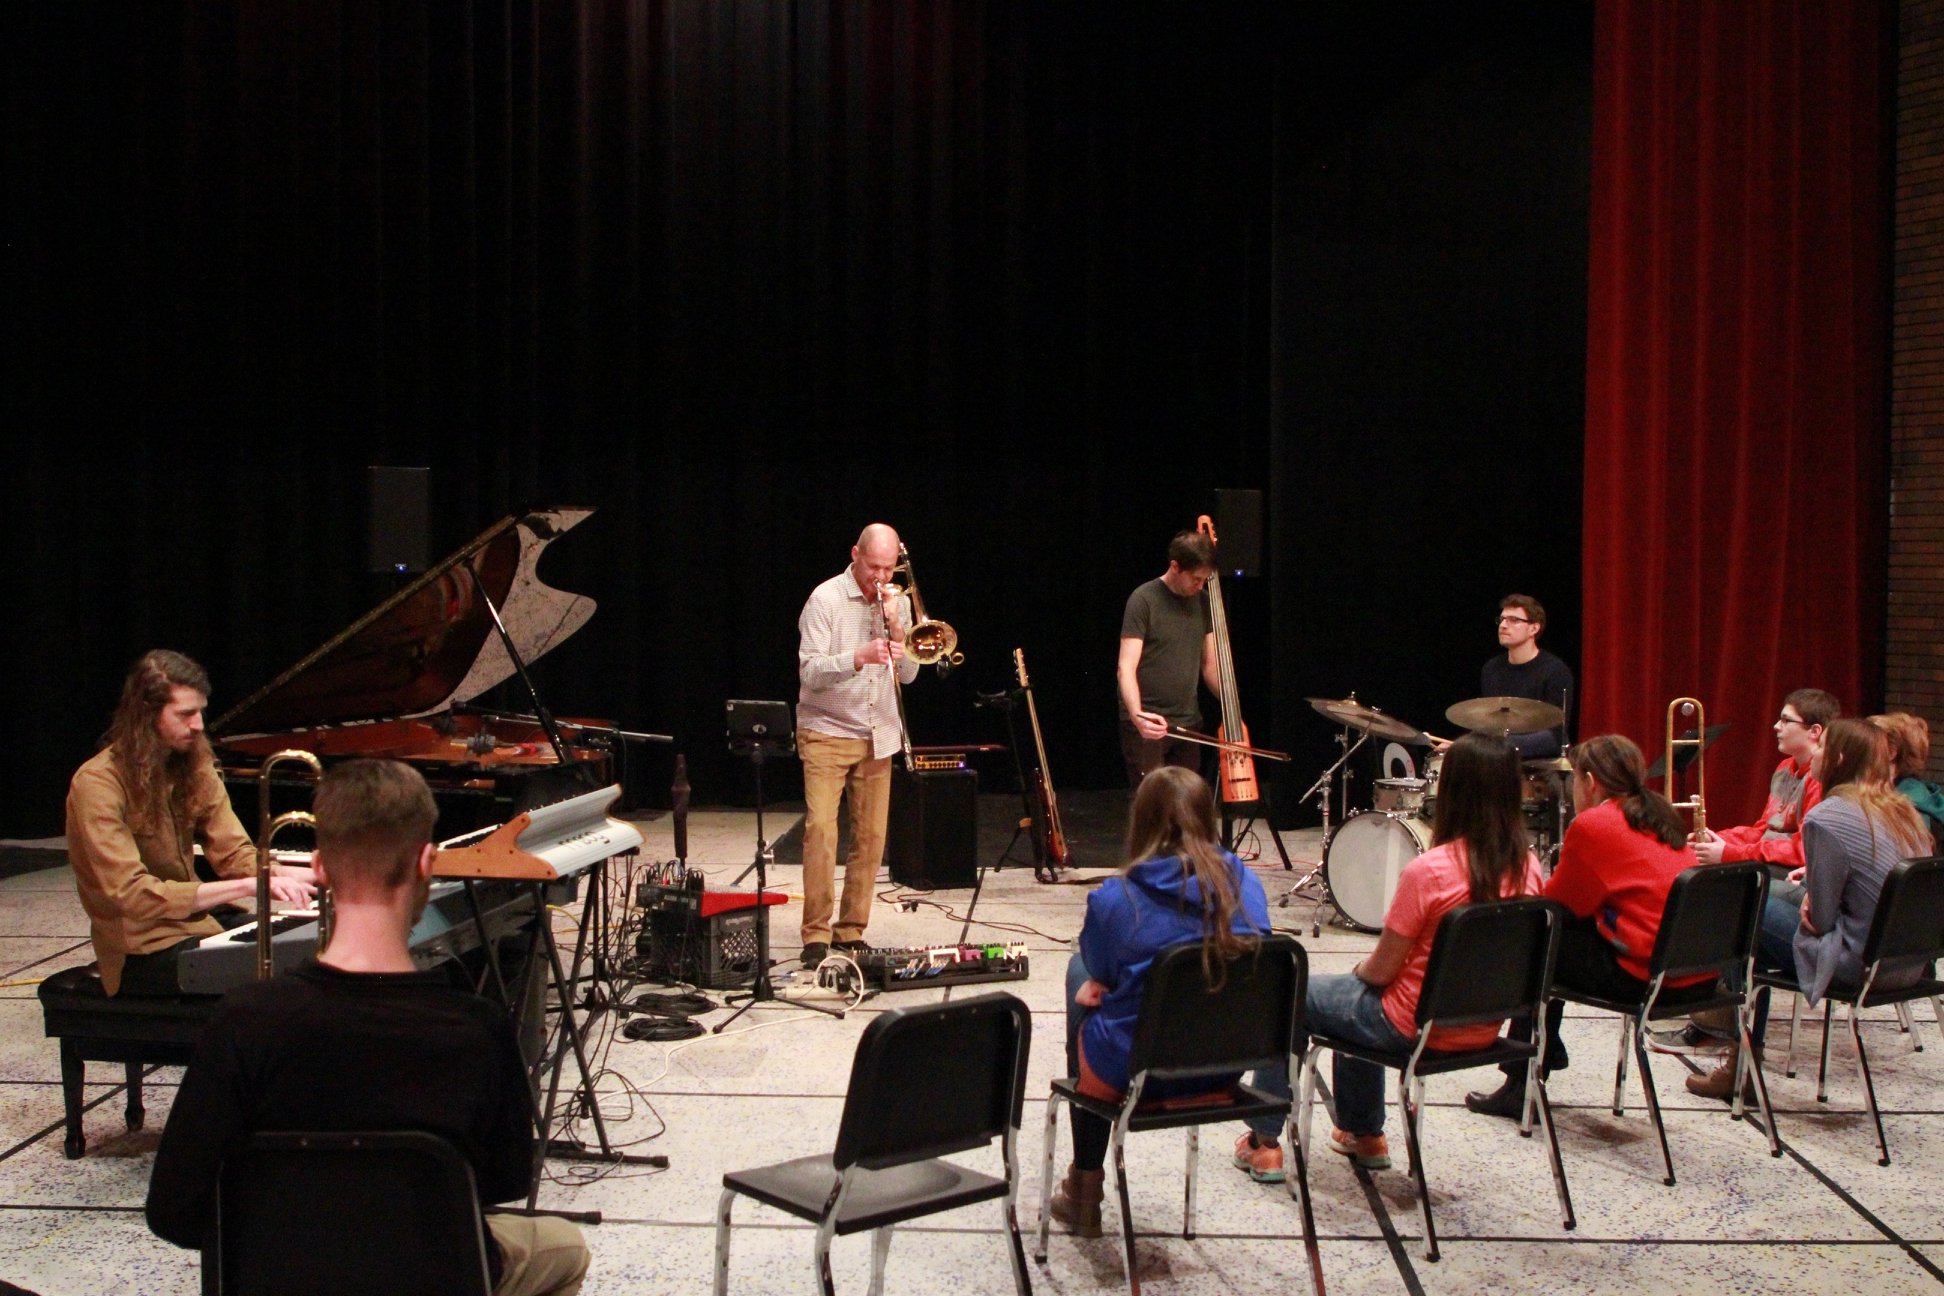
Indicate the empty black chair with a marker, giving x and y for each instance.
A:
(926, 1082)
(1907, 932)
(1489, 962)
(1186, 1030)
(318, 1214)
(1709, 927)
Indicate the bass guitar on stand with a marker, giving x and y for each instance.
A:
(1049, 838)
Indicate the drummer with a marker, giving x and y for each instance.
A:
(1528, 671)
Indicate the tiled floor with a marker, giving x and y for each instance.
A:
(1825, 1217)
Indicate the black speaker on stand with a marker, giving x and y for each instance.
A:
(932, 839)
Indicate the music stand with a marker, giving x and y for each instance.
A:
(756, 730)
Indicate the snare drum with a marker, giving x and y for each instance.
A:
(1399, 795)
(1362, 862)
(1433, 768)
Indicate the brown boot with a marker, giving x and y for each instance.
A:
(1076, 1202)
(1720, 1082)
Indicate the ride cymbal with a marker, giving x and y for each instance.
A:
(1505, 715)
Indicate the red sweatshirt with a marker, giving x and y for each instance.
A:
(1777, 837)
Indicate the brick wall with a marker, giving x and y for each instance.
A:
(1914, 651)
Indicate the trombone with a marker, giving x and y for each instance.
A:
(1698, 803)
(268, 828)
(927, 642)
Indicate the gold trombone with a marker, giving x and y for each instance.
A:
(1698, 803)
(927, 642)
(268, 828)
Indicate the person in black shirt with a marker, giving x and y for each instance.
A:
(359, 1039)
(1528, 671)
(1167, 642)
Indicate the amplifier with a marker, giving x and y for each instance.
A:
(932, 839)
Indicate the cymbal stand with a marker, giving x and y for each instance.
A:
(1324, 786)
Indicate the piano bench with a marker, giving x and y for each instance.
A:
(135, 1030)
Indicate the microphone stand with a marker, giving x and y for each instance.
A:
(760, 990)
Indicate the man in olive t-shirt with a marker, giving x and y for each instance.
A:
(1166, 639)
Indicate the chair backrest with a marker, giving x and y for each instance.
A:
(374, 1213)
(933, 1080)
(1909, 924)
(1184, 1028)
(1490, 961)
(1712, 919)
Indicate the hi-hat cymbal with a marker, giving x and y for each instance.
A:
(1505, 715)
(1351, 712)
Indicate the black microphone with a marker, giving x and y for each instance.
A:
(678, 792)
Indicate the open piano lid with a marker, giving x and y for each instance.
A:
(432, 644)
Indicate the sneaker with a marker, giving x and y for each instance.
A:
(814, 953)
(1690, 1041)
(1508, 1100)
(1264, 1163)
(851, 946)
(1371, 1151)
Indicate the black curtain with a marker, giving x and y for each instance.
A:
(742, 277)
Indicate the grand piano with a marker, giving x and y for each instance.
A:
(398, 682)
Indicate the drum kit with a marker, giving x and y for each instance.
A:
(1363, 855)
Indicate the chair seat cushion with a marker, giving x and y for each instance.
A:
(1676, 1002)
(1434, 1061)
(876, 1198)
(1879, 996)
(1238, 1102)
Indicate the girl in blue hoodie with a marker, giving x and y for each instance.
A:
(1180, 885)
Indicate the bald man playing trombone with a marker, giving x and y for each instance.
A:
(850, 662)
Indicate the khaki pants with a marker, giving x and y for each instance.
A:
(542, 1255)
(832, 768)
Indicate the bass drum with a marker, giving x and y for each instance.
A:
(1362, 862)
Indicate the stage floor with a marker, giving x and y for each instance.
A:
(1825, 1217)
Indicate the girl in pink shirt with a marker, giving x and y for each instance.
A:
(1479, 853)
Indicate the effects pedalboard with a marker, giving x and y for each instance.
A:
(936, 965)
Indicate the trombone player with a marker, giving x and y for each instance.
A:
(851, 660)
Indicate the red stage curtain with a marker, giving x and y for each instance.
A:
(1736, 396)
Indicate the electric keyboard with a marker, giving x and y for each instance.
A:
(553, 844)
(444, 931)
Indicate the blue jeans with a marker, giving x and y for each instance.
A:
(1352, 1010)
(1775, 948)
(1090, 1133)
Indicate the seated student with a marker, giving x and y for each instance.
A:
(1179, 885)
(1793, 792)
(1910, 756)
(1620, 856)
(1852, 840)
(1775, 839)
(359, 1039)
(1479, 854)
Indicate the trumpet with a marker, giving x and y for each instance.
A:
(1698, 803)
(927, 642)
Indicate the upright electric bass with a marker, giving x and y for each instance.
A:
(1238, 782)
(1055, 854)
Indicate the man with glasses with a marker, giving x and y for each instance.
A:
(1775, 839)
(1528, 671)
